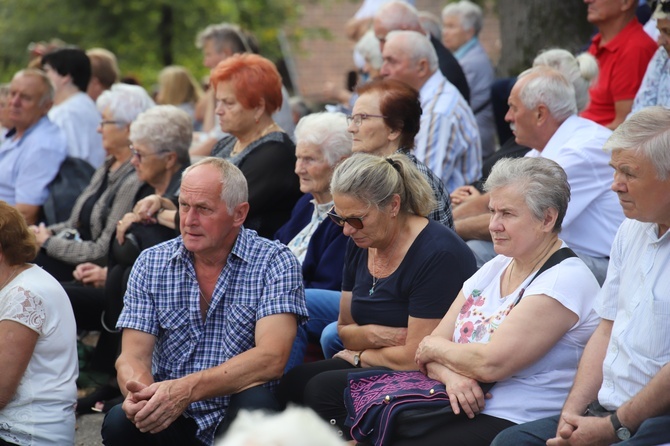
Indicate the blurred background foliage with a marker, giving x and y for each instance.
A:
(144, 34)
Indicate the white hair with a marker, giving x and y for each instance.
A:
(581, 71)
(646, 132)
(398, 15)
(548, 86)
(368, 47)
(296, 426)
(417, 46)
(469, 14)
(124, 102)
(327, 131)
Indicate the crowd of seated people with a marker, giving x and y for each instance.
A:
(357, 206)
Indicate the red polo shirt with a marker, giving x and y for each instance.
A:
(622, 62)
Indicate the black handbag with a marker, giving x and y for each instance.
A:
(383, 406)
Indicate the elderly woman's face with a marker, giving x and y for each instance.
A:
(377, 223)
(151, 166)
(313, 170)
(114, 135)
(373, 136)
(453, 34)
(514, 229)
(234, 118)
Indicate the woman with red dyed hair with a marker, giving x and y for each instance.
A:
(247, 91)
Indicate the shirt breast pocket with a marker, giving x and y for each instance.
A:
(240, 327)
(653, 331)
(174, 333)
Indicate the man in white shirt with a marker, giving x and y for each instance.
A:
(448, 140)
(74, 111)
(543, 115)
(622, 388)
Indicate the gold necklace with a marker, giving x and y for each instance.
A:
(9, 279)
(237, 148)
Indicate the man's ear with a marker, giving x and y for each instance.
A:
(423, 68)
(240, 214)
(541, 114)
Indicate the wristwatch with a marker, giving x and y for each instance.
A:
(357, 359)
(622, 432)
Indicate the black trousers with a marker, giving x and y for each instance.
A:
(320, 386)
(117, 430)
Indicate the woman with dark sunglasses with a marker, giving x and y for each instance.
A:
(401, 273)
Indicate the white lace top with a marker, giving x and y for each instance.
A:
(42, 409)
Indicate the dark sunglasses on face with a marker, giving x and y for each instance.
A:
(665, 5)
(354, 222)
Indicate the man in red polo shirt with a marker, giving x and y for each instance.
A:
(623, 51)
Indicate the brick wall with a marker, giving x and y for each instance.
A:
(318, 61)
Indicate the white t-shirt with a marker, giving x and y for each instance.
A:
(540, 389)
(42, 410)
(78, 118)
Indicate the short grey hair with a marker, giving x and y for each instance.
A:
(417, 45)
(548, 86)
(581, 71)
(49, 91)
(469, 14)
(368, 47)
(374, 180)
(647, 133)
(234, 187)
(398, 14)
(328, 131)
(124, 102)
(542, 182)
(224, 35)
(164, 128)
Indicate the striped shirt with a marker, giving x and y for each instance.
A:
(261, 278)
(448, 140)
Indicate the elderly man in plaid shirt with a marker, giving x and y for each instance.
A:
(208, 320)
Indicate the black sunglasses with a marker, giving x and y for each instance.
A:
(354, 222)
(665, 5)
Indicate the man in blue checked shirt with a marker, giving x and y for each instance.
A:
(208, 320)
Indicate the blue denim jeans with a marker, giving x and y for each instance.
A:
(323, 307)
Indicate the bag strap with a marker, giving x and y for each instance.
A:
(553, 260)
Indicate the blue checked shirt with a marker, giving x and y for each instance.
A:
(261, 278)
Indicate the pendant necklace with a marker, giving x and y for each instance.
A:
(374, 278)
(16, 270)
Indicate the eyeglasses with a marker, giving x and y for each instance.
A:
(665, 5)
(104, 121)
(357, 119)
(144, 155)
(354, 222)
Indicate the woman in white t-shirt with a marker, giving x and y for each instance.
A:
(530, 349)
(38, 344)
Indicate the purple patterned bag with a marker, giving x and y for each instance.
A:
(374, 399)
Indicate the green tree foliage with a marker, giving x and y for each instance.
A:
(144, 34)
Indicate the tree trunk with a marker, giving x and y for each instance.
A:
(529, 26)
(166, 33)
